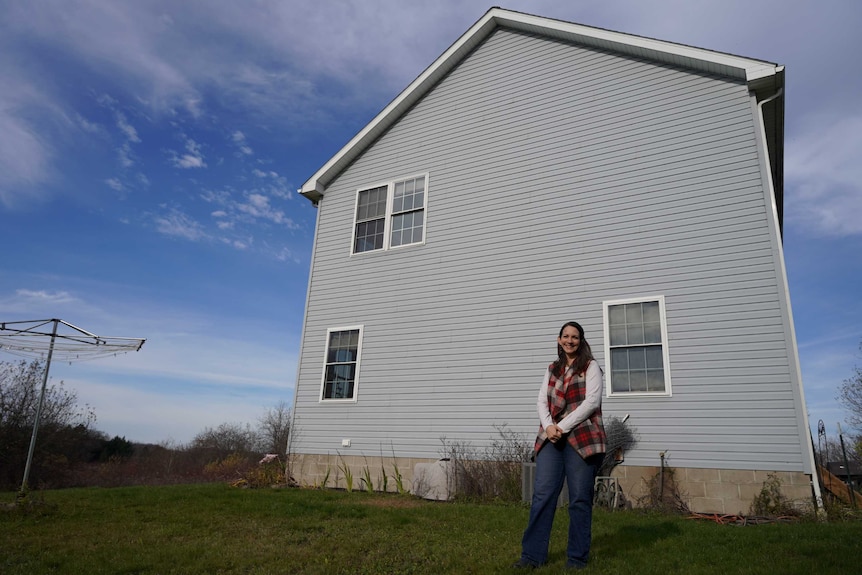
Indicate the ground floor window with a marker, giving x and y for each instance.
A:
(636, 346)
(341, 366)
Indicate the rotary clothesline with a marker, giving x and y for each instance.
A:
(29, 339)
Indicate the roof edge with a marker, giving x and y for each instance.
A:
(756, 73)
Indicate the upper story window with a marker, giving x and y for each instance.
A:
(636, 347)
(390, 215)
(341, 365)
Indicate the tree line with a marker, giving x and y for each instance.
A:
(71, 451)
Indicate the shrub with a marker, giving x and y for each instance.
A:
(663, 493)
(490, 474)
(771, 502)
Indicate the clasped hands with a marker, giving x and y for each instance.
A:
(554, 433)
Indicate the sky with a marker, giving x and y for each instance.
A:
(150, 154)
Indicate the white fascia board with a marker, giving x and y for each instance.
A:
(638, 46)
(746, 68)
(456, 52)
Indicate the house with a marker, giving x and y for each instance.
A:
(850, 473)
(537, 172)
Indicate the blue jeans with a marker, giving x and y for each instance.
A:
(555, 462)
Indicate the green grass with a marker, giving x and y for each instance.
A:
(210, 529)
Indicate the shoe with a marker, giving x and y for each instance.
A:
(523, 564)
(574, 566)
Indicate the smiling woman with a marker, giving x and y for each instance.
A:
(569, 448)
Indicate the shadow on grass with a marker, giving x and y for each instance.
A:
(632, 537)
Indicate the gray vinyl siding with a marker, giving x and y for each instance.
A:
(560, 177)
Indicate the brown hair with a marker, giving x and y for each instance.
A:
(583, 355)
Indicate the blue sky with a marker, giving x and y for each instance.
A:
(150, 154)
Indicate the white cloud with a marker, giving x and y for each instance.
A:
(114, 184)
(193, 158)
(239, 139)
(87, 125)
(176, 223)
(823, 177)
(126, 128)
(46, 297)
(26, 155)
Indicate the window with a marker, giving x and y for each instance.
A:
(636, 347)
(341, 367)
(390, 215)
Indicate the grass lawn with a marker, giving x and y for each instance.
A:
(210, 529)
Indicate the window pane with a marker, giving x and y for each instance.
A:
(635, 333)
(616, 315)
(369, 236)
(340, 370)
(619, 359)
(652, 333)
(371, 204)
(651, 312)
(620, 381)
(618, 335)
(655, 380)
(409, 195)
(353, 340)
(634, 313)
(410, 226)
(637, 381)
(654, 359)
(637, 358)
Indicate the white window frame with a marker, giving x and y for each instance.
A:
(388, 217)
(329, 331)
(664, 348)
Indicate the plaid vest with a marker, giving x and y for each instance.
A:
(565, 394)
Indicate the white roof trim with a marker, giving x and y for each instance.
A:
(709, 61)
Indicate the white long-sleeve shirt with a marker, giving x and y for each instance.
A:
(591, 402)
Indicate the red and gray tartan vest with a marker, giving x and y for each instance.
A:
(565, 394)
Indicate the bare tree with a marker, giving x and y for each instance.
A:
(274, 429)
(225, 439)
(850, 395)
(65, 430)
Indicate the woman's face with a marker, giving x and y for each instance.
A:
(570, 340)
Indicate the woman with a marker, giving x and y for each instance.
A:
(570, 446)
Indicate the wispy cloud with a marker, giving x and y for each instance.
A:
(255, 206)
(126, 128)
(178, 224)
(25, 154)
(824, 177)
(192, 158)
(44, 296)
(238, 138)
